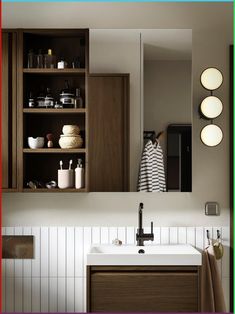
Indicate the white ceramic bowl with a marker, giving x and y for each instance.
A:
(72, 141)
(70, 129)
(37, 142)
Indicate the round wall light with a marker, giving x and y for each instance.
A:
(211, 78)
(211, 135)
(211, 107)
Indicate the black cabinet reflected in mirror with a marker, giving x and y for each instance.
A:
(179, 158)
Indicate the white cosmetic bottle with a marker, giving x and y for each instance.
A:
(79, 175)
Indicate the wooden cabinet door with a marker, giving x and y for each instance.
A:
(144, 291)
(108, 106)
(9, 111)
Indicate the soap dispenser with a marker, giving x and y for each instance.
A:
(79, 175)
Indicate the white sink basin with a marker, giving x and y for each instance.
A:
(185, 255)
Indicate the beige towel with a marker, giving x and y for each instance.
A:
(212, 296)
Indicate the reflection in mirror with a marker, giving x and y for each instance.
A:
(166, 162)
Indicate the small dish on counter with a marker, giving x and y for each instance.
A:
(37, 142)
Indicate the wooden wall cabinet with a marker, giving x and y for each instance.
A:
(109, 132)
(103, 120)
(143, 289)
(9, 111)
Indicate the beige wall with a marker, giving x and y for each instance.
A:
(211, 25)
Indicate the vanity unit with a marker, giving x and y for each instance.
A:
(161, 278)
(103, 119)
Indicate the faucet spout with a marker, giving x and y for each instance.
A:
(140, 235)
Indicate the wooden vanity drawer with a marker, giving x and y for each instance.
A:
(143, 289)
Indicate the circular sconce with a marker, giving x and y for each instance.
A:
(211, 79)
(211, 135)
(211, 107)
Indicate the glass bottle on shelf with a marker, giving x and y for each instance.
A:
(39, 59)
(31, 59)
(49, 60)
(78, 103)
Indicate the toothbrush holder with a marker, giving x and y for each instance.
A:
(65, 178)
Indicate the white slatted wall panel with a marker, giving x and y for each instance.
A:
(54, 281)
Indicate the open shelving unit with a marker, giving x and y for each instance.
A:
(42, 164)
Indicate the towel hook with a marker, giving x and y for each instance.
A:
(218, 235)
(208, 236)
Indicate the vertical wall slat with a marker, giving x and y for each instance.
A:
(44, 252)
(182, 235)
(130, 235)
(112, 234)
(44, 294)
(61, 251)
(70, 295)
(53, 302)
(165, 235)
(61, 294)
(173, 235)
(226, 257)
(3, 294)
(10, 294)
(9, 263)
(191, 236)
(27, 263)
(199, 238)
(70, 244)
(79, 252)
(36, 265)
(53, 253)
(210, 236)
(157, 235)
(95, 235)
(79, 295)
(18, 262)
(18, 294)
(214, 235)
(122, 234)
(104, 233)
(3, 260)
(36, 295)
(10, 280)
(27, 294)
(86, 246)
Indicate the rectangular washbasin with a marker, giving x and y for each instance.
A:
(158, 255)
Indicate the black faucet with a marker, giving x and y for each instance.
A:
(140, 235)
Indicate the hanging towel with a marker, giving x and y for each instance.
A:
(212, 297)
(152, 174)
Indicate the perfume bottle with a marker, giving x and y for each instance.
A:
(78, 102)
(49, 60)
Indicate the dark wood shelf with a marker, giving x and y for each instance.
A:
(55, 71)
(54, 151)
(53, 110)
(56, 190)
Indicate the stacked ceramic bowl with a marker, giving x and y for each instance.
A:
(70, 137)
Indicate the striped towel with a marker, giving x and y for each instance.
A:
(152, 174)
